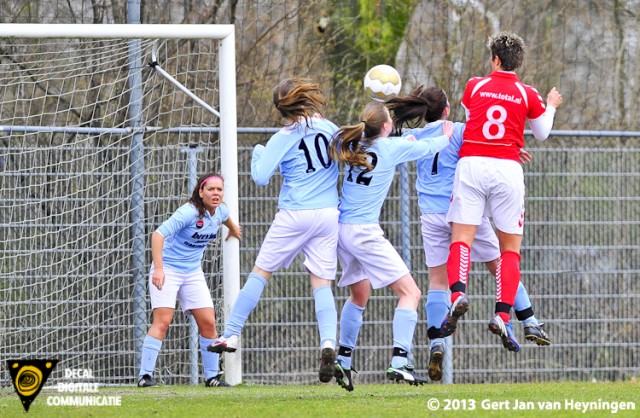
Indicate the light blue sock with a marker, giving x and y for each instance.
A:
(246, 302)
(523, 302)
(404, 324)
(210, 360)
(150, 349)
(326, 314)
(350, 324)
(437, 308)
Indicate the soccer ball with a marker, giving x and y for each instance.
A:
(382, 83)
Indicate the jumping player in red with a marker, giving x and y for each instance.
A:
(489, 179)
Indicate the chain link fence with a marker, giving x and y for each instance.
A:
(580, 262)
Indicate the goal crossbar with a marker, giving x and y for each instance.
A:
(160, 31)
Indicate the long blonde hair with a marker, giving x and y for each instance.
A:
(350, 143)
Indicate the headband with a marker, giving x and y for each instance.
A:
(209, 178)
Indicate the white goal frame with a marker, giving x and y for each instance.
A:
(227, 114)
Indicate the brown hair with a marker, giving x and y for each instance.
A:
(350, 143)
(420, 105)
(297, 98)
(195, 199)
(509, 47)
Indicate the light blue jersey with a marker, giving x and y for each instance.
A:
(435, 173)
(186, 236)
(363, 193)
(310, 177)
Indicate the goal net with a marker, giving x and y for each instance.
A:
(104, 129)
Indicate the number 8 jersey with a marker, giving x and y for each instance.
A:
(497, 107)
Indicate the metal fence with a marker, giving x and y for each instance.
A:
(580, 262)
(67, 291)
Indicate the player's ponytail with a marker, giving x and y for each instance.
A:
(346, 146)
(351, 141)
(419, 106)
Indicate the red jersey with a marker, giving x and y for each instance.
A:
(498, 106)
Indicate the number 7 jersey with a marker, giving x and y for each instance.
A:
(497, 108)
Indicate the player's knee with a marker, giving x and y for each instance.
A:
(207, 328)
(409, 291)
(159, 328)
(416, 294)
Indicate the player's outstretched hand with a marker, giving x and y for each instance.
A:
(525, 157)
(447, 128)
(554, 98)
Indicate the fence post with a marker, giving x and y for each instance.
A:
(405, 216)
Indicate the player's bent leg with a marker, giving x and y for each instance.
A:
(327, 318)
(350, 324)
(507, 281)
(437, 307)
(152, 344)
(533, 329)
(245, 303)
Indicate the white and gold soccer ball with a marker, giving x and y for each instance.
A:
(382, 83)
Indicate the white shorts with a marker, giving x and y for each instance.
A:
(314, 232)
(365, 253)
(436, 238)
(189, 288)
(490, 187)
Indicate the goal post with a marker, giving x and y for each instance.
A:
(78, 127)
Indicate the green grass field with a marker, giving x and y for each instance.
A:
(384, 400)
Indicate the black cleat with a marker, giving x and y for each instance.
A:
(505, 332)
(405, 374)
(435, 361)
(224, 345)
(458, 309)
(327, 365)
(216, 381)
(536, 334)
(146, 381)
(343, 376)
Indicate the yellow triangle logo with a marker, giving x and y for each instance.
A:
(28, 377)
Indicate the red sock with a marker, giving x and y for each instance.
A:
(507, 280)
(458, 268)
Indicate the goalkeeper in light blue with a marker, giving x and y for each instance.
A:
(307, 217)
(434, 184)
(177, 248)
(367, 258)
